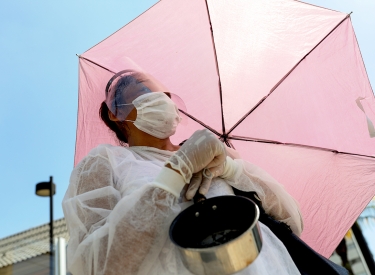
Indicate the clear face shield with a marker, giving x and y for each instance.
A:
(127, 85)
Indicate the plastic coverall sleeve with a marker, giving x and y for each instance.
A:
(276, 201)
(111, 234)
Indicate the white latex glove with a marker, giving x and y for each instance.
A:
(202, 150)
(203, 178)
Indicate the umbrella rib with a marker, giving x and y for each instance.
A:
(96, 64)
(217, 69)
(200, 122)
(316, 6)
(296, 145)
(282, 79)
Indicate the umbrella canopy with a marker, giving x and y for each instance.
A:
(281, 80)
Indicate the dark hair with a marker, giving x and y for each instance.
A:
(117, 127)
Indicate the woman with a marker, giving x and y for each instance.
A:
(121, 200)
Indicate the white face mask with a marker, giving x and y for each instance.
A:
(157, 115)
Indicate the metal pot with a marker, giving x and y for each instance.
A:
(217, 236)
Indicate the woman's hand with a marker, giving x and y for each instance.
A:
(202, 180)
(201, 150)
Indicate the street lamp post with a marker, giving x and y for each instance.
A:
(48, 189)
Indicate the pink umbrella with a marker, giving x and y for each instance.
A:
(282, 81)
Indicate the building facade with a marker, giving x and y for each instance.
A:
(27, 253)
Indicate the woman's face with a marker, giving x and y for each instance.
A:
(143, 80)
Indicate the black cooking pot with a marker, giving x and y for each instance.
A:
(219, 235)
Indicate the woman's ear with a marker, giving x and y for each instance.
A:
(112, 116)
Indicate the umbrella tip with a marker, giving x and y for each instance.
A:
(77, 55)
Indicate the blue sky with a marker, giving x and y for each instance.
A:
(38, 84)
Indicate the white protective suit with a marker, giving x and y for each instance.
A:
(118, 219)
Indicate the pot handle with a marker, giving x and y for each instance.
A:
(198, 197)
